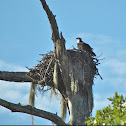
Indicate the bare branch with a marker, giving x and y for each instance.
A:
(21, 77)
(51, 17)
(58, 40)
(15, 76)
(33, 111)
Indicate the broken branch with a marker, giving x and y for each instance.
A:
(33, 111)
(15, 76)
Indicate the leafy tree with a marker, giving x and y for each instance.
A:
(114, 114)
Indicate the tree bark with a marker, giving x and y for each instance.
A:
(15, 76)
(77, 89)
(72, 77)
(51, 17)
(33, 111)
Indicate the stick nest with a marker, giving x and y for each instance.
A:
(42, 73)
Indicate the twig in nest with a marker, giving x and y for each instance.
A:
(99, 55)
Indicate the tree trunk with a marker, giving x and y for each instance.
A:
(77, 75)
(78, 106)
(73, 76)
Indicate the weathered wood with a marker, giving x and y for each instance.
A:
(33, 111)
(73, 76)
(52, 20)
(76, 74)
(15, 76)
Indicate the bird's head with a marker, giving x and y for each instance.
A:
(79, 39)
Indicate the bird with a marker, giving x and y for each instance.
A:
(84, 46)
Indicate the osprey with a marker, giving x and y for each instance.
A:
(84, 47)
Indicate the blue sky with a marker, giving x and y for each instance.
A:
(25, 33)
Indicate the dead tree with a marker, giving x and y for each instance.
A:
(71, 72)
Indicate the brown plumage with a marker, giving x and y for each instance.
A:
(84, 47)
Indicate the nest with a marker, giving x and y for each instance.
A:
(43, 71)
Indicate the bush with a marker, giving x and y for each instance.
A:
(114, 114)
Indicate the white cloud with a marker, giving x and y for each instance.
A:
(98, 105)
(116, 66)
(11, 67)
(117, 83)
(98, 41)
(110, 66)
(121, 53)
(103, 44)
(16, 85)
(43, 102)
(13, 91)
(101, 101)
(19, 92)
(98, 38)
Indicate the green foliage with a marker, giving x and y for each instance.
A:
(114, 114)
